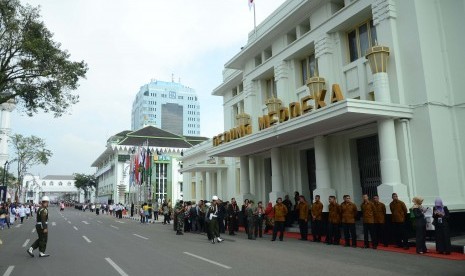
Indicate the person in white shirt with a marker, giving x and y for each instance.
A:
(22, 213)
(27, 210)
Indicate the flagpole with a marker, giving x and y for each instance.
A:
(254, 21)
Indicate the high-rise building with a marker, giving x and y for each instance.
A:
(170, 106)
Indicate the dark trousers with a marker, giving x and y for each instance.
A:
(258, 227)
(317, 229)
(380, 232)
(349, 233)
(232, 225)
(369, 228)
(400, 234)
(214, 228)
(221, 225)
(278, 227)
(41, 242)
(303, 227)
(251, 228)
(166, 218)
(334, 233)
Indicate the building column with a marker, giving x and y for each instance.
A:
(198, 188)
(244, 180)
(219, 184)
(277, 187)
(208, 187)
(389, 163)
(5, 129)
(323, 178)
(281, 73)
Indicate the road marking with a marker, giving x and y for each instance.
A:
(87, 239)
(33, 230)
(8, 270)
(119, 221)
(54, 224)
(69, 222)
(75, 228)
(116, 267)
(207, 260)
(85, 222)
(141, 237)
(116, 227)
(99, 221)
(25, 243)
(17, 226)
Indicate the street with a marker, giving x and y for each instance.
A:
(82, 243)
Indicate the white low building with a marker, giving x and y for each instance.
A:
(56, 187)
(396, 127)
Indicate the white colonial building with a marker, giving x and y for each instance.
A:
(56, 187)
(115, 173)
(306, 111)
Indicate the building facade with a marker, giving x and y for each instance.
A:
(170, 106)
(336, 97)
(56, 187)
(161, 180)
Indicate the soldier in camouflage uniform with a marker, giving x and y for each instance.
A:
(179, 211)
(42, 230)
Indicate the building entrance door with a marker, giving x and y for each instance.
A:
(368, 163)
(311, 170)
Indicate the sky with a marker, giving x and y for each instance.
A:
(127, 43)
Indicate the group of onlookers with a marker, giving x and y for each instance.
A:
(11, 212)
(258, 220)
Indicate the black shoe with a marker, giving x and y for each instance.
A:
(280, 239)
(43, 255)
(406, 248)
(29, 251)
(213, 241)
(346, 245)
(273, 239)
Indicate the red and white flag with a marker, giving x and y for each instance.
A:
(251, 4)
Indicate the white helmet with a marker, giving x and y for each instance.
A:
(45, 198)
(215, 198)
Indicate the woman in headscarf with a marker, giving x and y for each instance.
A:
(420, 224)
(441, 224)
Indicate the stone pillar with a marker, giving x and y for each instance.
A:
(277, 187)
(219, 183)
(244, 180)
(198, 186)
(389, 163)
(323, 178)
(324, 46)
(5, 129)
(208, 187)
(281, 72)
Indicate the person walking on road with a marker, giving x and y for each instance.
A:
(212, 215)
(42, 230)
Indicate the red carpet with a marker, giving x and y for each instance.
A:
(391, 248)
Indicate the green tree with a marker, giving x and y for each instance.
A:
(85, 182)
(29, 151)
(34, 71)
(9, 179)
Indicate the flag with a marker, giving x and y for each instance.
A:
(251, 4)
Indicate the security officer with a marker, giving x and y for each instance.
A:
(179, 211)
(42, 230)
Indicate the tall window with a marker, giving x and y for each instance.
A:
(309, 68)
(271, 88)
(360, 39)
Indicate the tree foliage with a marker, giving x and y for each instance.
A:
(34, 71)
(9, 179)
(85, 182)
(29, 151)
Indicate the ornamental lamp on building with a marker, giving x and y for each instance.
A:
(242, 119)
(316, 84)
(273, 104)
(378, 58)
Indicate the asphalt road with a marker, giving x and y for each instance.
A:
(82, 243)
